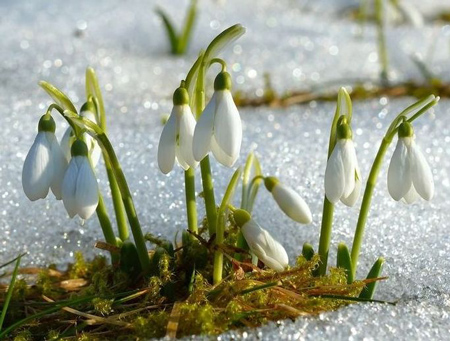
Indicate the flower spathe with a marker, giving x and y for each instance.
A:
(289, 201)
(261, 243)
(44, 164)
(219, 128)
(342, 175)
(175, 142)
(80, 188)
(87, 111)
(409, 175)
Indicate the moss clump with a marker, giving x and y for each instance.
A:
(153, 325)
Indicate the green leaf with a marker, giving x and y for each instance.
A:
(183, 40)
(93, 89)
(170, 29)
(58, 96)
(223, 40)
(308, 251)
(375, 272)
(344, 261)
(10, 291)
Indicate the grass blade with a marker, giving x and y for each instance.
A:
(10, 291)
(186, 33)
(171, 33)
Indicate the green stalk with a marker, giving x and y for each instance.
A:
(373, 176)
(106, 226)
(382, 49)
(221, 222)
(93, 91)
(189, 183)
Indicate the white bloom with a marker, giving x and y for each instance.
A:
(44, 166)
(342, 176)
(176, 140)
(409, 174)
(95, 150)
(219, 128)
(261, 243)
(289, 201)
(80, 188)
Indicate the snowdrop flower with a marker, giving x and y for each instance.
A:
(288, 200)
(219, 128)
(80, 188)
(87, 111)
(409, 174)
(175, 142)
(342, 175)
(261, 243)
(45, 163)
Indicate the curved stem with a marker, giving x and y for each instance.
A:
(218, 61)
(106, 226)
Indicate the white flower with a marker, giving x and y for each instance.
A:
(342, 175)
(176, 138)
(261, 243)
(45, 163)
(289, 201)
(80, 188)
(409, 174)
(94, 149)
(219, 128)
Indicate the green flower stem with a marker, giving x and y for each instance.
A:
(106, 226)
(189, 183)
(373, 176)
(221, 222)
(127, 198)
(93, 91)
(382, 49)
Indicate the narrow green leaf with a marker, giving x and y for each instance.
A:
(375, 272)
(186, 32)
(58, 96)
(345, 261)
(93, 89)
(13, 260)
(10, 291)
(308, 251)
(170, 29)
(222, 40)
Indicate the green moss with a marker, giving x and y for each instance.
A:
(102, 306)
(153, 325)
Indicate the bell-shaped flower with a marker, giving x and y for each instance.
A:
(409, 174)
(87, 111)
(45, 163)
(289, 201)
(261, 243)
(80, 188)
(175, 142)
(219, 128)
(342, 175)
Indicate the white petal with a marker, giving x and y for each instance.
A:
(349, 161)
(264, 246)
(204, 130)
(179, 157)
(291, 203)
(422, 177)
(227, 125)
(66, 143)
(167, 144)
(334, 176)
(59, 164)
(69, 187)
(37, 171)
(186, 134)
(219, 154)
(86, 192)
(399, 173)
(411, 195)
(353, 197)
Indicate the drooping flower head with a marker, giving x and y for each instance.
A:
(289, 201)
(261, 243)
(409, 174)
(87, 111)
(219, 128)
(342, 175)
(175, 142)
(80, 188)
(45, 163)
